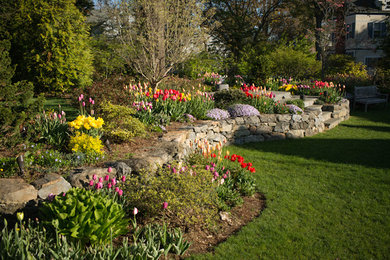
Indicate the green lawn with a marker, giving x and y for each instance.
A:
(66, 105)
(328, 196)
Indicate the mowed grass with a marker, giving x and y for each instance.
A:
(66, 105)
(328, 196)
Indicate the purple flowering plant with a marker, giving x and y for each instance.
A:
(217, 114)
(239, 110)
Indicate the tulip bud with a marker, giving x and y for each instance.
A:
(107, 177)
(109, 169)
(135, 211)
(20, 216)
(165, 205)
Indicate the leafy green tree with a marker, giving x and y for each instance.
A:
(50, 45)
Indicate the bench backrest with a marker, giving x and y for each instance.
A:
(366, 92)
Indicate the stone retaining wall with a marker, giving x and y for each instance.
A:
(175, 145)
(268, 127)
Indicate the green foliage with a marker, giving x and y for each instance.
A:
(199, 105)
(106, 62)
(6, 70)
(342, 69)
(254, 65)
(8, 167)
(51, 128)
(120, 125)
(17, 104)
(298, 102)
(199, 64)
(17, 107)
(228, 196)
(287, 61)
(163, 239)
(85, 216)
(33, 241)
(225, 98)
(50, 45)
(190, 194)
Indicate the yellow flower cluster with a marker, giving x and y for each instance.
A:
(86, 144)
(86, 122)
(289, 87)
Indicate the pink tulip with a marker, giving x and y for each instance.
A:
(93, 102)
(113, 181)
(116, 189)
(216, 174)
(81, 96)
(83, 104)
(120, 192)
(59, 116)
(100, 179)
(165, 205)
(91, 182)
(94, 177)
(224, 176)
(109, 185)
(107, 177)
(63, 194)
(80, 99)
(90, 100)
(135, 211)
(123, 178)
(109, 169)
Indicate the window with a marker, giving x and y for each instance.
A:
(350, 31)
(350, 53)
(386, 5)
(377, 30)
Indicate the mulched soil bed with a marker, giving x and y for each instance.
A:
(203, 241)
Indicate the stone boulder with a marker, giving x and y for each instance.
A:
(51, 183)
(15, 194)
(81, 177)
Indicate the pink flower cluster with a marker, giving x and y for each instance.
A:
(107, 182)
(216, 175)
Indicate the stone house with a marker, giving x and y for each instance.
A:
(366, 25)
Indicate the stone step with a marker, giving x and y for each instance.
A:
(281, 95)
(314, 108)
(309, 101)
(331, 123)
(326, 115)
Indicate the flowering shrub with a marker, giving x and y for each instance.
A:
(238, 110)
(85, 143)
(217, 114)
(294, 109)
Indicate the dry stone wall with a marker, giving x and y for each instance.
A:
(267, 127)
(175, 145)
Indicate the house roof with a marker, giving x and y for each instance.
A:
(366, 7)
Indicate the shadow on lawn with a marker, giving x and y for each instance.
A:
(370, 128)
(371, 152)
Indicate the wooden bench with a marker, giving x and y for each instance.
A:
(368, 95)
